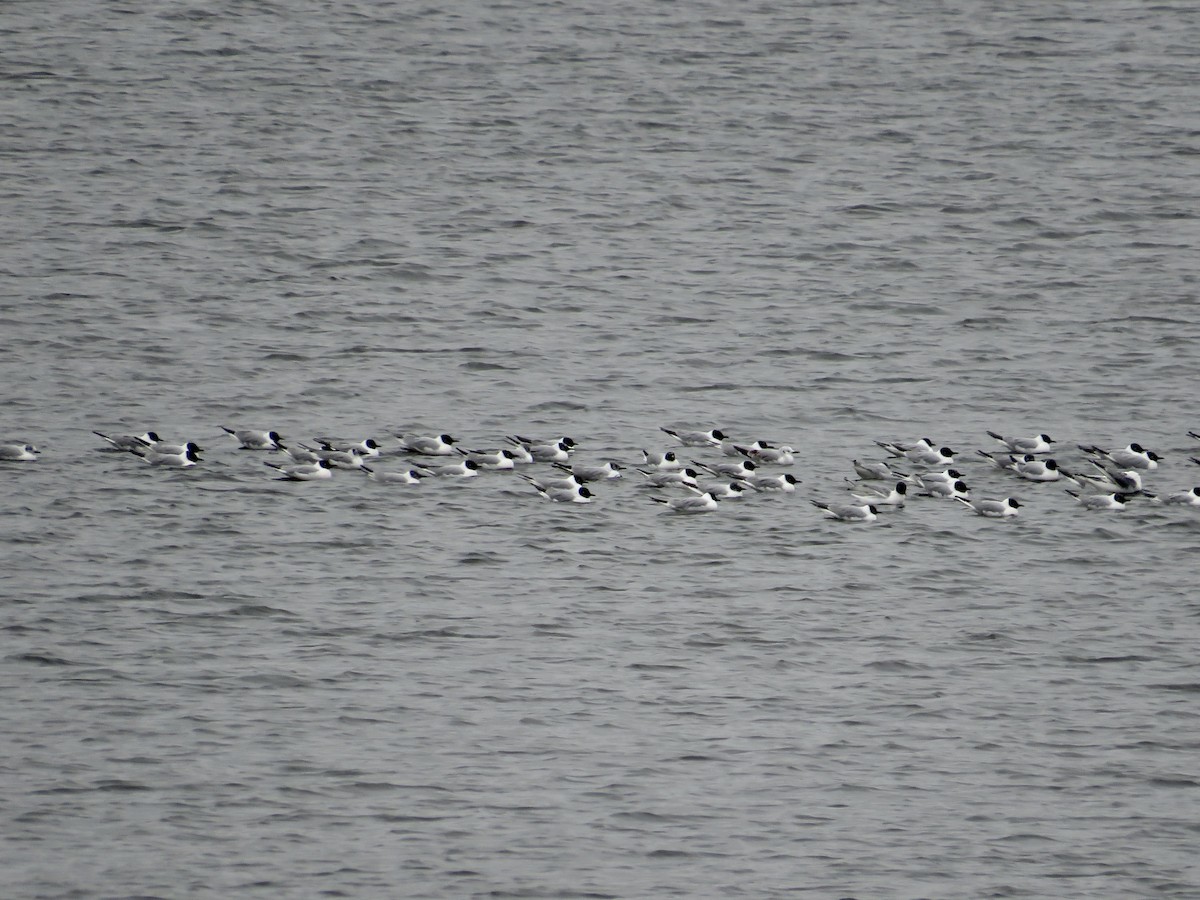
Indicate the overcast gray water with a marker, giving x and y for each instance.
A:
(819, 224)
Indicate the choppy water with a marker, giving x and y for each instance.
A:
(822, 224)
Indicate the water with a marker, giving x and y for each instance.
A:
(823, 225)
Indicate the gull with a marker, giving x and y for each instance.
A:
(875, 471)
(410, 476)
(304, 471)
(552, 484)
(996, 509)
(162, 447)
(1028, 467)
(743, 469)
(893, 498)
(440, 445)
(665, 460)
(1113, 479)
(730, 448)
(365, 447)
(129, 441)
(18, 452)
(178, 460)
(699, 503)
(946, 476)
(341, 459)
(576, 494)
(555, 451)
(734, 490)
(846, 512)
(922, 453)
(1102, 501)
(710, 438)
(1187, 498)
(671, 478)
(584, 473)
(468, 468)
(946, 491)
(255, 440)
(786, 482)
(1037, 470)
(1135, 456)
(493, 459)
(1038, 444)
(778, 456)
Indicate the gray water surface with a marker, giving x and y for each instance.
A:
(819, 224)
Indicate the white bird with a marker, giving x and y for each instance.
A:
(304, 471)
(162, 447)
(128, 441)
(665, 460)
(302, 454)
(739, 470)
(922, 453)
(776, 456)
(692, 503)
(1038, 444)
(440, 445)
(1112, 479)
(569, 483)
(671, 478)
(1135, 456)
(1101, 501)
(710, 438)
(996, 509)
(875, 471)
(409, 476)
(339, 459)
(554, 451)
(946, 491)
(584, 473)
(785, 482)
(895, 448)
(893, 498)
(1037, 470)
(18, 452)
(177, 460)
(736, 450)
(466, 469)
(576, 494)
(734, 490)
(946, 476)
(846, 512)
(255, 440)
(1028, 466)
(493, 459)
(1186, 498)
(365, 447)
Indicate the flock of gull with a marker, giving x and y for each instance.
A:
(1104, 479)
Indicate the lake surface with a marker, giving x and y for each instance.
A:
(818, 224)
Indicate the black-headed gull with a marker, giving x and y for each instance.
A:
(996, 509)
(1022, 445)
(303, 471)
(127, 442)
(255, 440)
(424, 445)
(710, 438)
(845, 512)
(1135, 456)
(18, 452)
(692, 503)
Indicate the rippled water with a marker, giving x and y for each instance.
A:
(820, 225)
